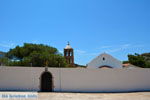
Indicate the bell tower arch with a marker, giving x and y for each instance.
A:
(69, 54)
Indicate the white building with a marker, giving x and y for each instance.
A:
(104, 61)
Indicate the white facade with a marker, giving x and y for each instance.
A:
(104, 60)
(76, 79)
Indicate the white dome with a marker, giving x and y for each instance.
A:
(68, 46)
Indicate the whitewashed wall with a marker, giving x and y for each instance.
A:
(25, 78)
(105, 80)
(76, 79)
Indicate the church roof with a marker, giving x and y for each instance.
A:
(128, 65)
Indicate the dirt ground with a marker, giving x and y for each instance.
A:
(74, 96)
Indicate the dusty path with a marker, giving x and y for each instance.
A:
(74, 96)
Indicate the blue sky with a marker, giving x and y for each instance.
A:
(117, 27)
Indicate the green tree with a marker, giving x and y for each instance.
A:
(37, 55)
(142, 60)
(4, 61)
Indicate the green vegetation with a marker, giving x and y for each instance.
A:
(33, 55)
(40, 55)
(2, 54)
(141, 60)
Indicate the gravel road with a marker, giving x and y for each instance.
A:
(74, 96)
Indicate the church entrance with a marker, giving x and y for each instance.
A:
(46, 82)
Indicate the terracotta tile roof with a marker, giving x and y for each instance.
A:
(128, 65)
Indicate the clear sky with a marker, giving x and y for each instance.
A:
(117, 27)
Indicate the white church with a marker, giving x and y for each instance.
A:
(103, 74)
(105, 61)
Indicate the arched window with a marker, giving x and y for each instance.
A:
(103, 58)
(105, 66)
(66, 53)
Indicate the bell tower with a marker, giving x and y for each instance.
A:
(69, 54)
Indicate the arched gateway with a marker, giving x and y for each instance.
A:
(46, 82)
